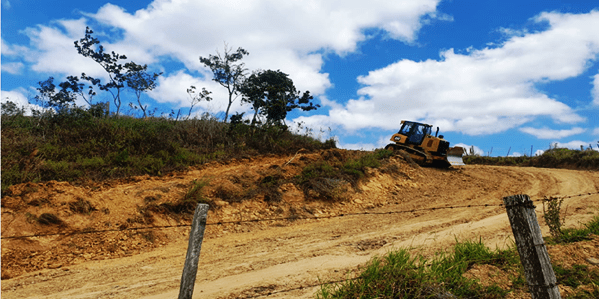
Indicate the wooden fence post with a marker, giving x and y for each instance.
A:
(196, 235)
(531, 247)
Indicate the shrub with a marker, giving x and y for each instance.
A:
(330, 178)
(400, 275)
(552, 216)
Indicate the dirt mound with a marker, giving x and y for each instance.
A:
(244, 189)
(238, 256)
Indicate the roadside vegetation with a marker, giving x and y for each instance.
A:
(83, 145)
(399, 274)
(551, 158)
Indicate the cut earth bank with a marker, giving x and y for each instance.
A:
(274, 258)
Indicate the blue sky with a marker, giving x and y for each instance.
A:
(498, 75)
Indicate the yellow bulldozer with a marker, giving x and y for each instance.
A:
(417, 141)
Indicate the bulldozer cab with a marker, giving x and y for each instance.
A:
(417, 141)
(415, 132)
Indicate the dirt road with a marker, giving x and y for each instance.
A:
(273, 259)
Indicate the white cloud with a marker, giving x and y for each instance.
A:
(469, 148)
(20, 97)
(13, 50)
(282, 35)
(357, 146)
(539, 152)
(289, 35)
(12, 67)
(576, 144)
(52, 50)
(546, 133)
(17, 96)
(483, 91)
(595, 90)
(173, 89)
(596, 132)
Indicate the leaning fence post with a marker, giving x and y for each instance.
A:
(196, 235)
(531, 247)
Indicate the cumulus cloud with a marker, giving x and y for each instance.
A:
(17, 96)
(172, 89)
(546, 133)
(289, 35)
(595, 91)
(357, 146)
(52, 51)
(12, 67)
(596, 132)
(576, 144)
(286, 35)
(9, 50)
(483, 91)
(20, 97)
(471, 149)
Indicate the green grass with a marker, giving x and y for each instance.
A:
(401, 275)
(551, 158)
(80, 145)
(570, 235)
(328, 178)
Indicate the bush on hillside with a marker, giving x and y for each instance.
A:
(81, 145)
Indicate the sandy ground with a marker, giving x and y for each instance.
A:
(271, 259)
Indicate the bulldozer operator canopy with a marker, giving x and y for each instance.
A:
(415, 131)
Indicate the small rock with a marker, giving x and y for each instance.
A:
(6, 274)
(220, 203)
(357, 201)
(593, 261)
(55, 266)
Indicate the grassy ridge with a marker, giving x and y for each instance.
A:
(81, 145)
(552, 158)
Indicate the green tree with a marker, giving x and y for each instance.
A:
(272, 94)
(120, 76)
(227, 71)
(50, 97)
(197, 96)
(140, 81)
(10, 108)
(77, 88)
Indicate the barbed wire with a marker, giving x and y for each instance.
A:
(83, 232)
(292, 218)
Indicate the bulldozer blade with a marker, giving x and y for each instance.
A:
(454, 156)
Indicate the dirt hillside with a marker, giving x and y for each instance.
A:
(276, 258)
